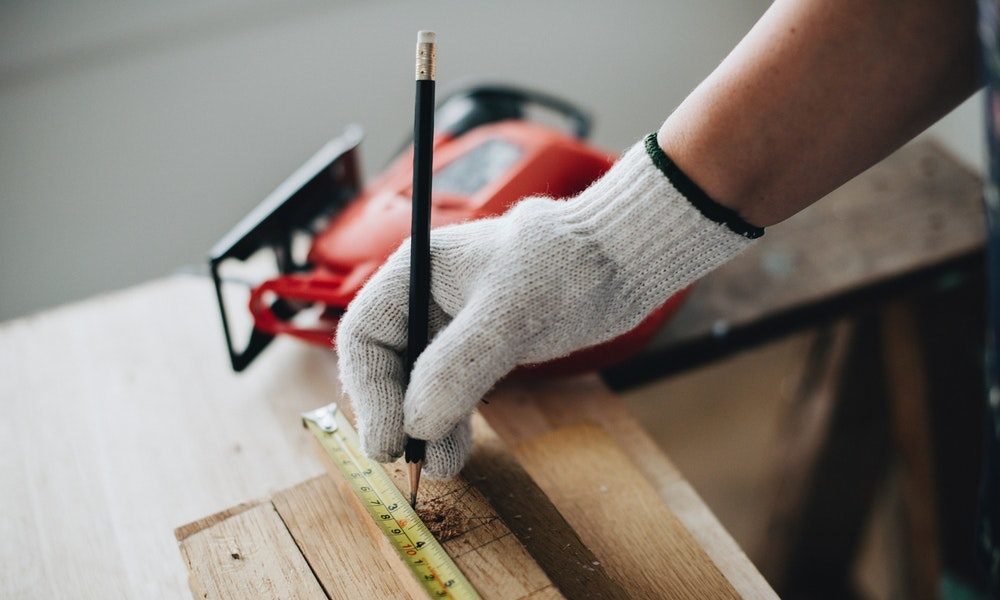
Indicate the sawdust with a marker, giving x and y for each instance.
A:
(443, 518)
(444, 515)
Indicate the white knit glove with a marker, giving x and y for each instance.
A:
(545, 279)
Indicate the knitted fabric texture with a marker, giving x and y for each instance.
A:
(545, 279)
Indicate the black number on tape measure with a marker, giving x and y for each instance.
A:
(386, 517)
(420, 545)
(393, 506)
(367, 471)
(365, 488)
(449, 583)
(429, 577)
(442, 593)
(396, 531)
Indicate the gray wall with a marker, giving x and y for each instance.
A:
(132, 135)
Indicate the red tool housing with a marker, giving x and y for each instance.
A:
(479, 173)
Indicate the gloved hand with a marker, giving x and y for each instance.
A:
(546, 278)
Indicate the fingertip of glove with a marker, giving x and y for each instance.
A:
(443, 465)
(446, 457)
(437, 473)
(424, 427)
(380, 455)
(382, 450)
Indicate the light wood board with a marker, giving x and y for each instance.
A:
(528, 411)
(253, 545)
(620, 516)
(471, 532)
(589, 518)
(164, 433)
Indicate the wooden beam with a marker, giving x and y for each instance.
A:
(611, 535)
(248, 555)
(619, 515)
(832, 456)
(521, 412)
(910, 404)
(469, 529)
(534, 520)
(335, 543)
(565, 512)
(185, 531)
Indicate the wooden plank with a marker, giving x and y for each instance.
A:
(162, 433)
(468, 528)
(534, 520)
(910, 402)
(831, 461)
(520, 412)
(335, 543)
(248, 555)
(915, 211)
(951, 336)
(115, 496)
(620, 516)
(185, 531)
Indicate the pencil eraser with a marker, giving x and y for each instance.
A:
(425, 37)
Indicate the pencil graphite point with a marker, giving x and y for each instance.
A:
(414, 473)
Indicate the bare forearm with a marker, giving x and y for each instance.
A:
(817, 92)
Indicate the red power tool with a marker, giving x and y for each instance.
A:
(324, 235)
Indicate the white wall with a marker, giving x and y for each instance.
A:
(963, 132)
(132, 135)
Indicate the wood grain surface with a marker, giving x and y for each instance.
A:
(612, 536)
(470, 531)
(229, 558)
(521, 412)
(123, 421)
(534, 520)
(620, 516)
(587, 496)
(336, 544)
(498, 527)
(145, 428)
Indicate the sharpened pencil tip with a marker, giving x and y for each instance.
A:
(414, 472)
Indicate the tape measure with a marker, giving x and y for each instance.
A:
(423, 555)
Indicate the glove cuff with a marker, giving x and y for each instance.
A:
(708, 207)
(659, 228)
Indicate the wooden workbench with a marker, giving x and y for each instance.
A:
(124, 422)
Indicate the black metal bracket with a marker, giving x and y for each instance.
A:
(323, 185)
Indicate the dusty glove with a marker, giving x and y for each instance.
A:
(546, 278)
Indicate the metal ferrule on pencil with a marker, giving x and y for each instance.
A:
(426, 61)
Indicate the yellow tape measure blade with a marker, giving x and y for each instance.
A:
(423, 555)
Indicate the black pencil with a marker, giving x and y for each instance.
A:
(420, 233)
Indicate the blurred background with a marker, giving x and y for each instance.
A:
(134, 134)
